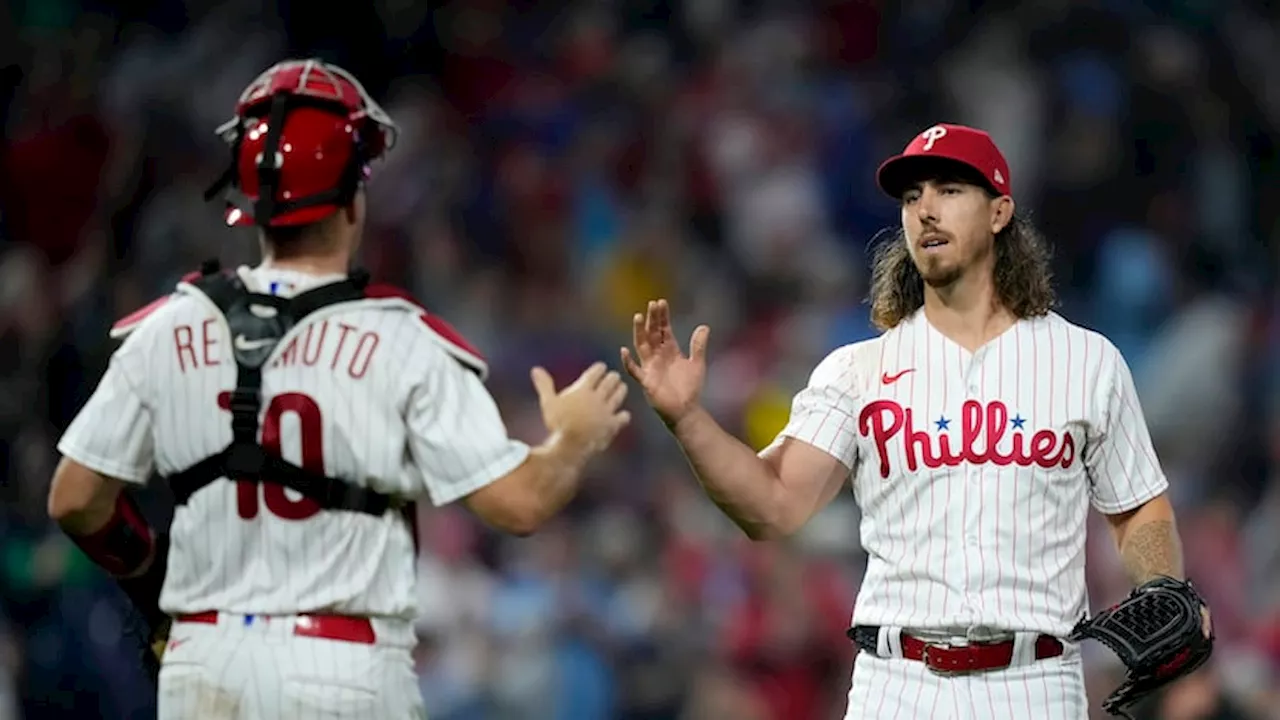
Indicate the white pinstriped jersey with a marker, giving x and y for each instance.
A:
(373, 391)
(975, 471)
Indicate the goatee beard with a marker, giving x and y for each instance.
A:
(939, 277)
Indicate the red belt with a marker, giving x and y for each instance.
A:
(972, 658)
(328, 627)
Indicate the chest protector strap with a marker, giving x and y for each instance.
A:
(258, 322)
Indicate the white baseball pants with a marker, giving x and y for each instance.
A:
(894, 688)
(256, 670)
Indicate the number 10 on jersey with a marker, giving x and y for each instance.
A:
(311, 435)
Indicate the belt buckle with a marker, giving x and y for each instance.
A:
(924, 657)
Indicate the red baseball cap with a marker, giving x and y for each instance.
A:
(945, 144)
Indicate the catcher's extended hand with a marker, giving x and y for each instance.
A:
(1161, 632)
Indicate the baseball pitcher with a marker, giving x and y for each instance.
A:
(976, 431)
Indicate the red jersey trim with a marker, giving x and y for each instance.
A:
(454, 342)
(126, 324)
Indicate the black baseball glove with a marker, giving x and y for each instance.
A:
(1161, 632)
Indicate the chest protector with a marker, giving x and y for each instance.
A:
(258, 323)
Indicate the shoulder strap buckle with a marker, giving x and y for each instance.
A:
(245, 460)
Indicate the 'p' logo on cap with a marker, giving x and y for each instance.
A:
(967, 147)
(931, 136)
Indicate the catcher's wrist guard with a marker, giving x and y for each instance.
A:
(124, 544)
(136, 557)
(1161, 632)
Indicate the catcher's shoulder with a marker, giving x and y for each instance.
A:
(170, 309)
(438, 331)
(127, 324)
(152, 312)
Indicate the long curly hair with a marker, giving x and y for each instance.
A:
(1023, 280)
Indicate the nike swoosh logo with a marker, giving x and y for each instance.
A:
(245, 344)
(888, 379)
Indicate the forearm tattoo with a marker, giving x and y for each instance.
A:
(1151, 549)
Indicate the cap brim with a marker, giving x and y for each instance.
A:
(897, 174)
(236, 217)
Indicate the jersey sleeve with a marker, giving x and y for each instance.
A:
(457, 437)
(824, 414)
(112, 433)
(1123, 469)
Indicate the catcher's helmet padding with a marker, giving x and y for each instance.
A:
(301, 142)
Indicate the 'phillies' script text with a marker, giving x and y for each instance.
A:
(883, 420)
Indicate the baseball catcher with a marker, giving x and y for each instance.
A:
(298, 413)
(1161, 632)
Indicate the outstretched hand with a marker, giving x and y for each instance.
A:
(589, 410)
(671, 381)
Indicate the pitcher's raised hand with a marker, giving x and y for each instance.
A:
(671, 380)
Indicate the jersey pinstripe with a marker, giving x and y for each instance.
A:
(367, 391)
(974, 472)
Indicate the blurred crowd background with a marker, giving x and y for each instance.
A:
(562, 162)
